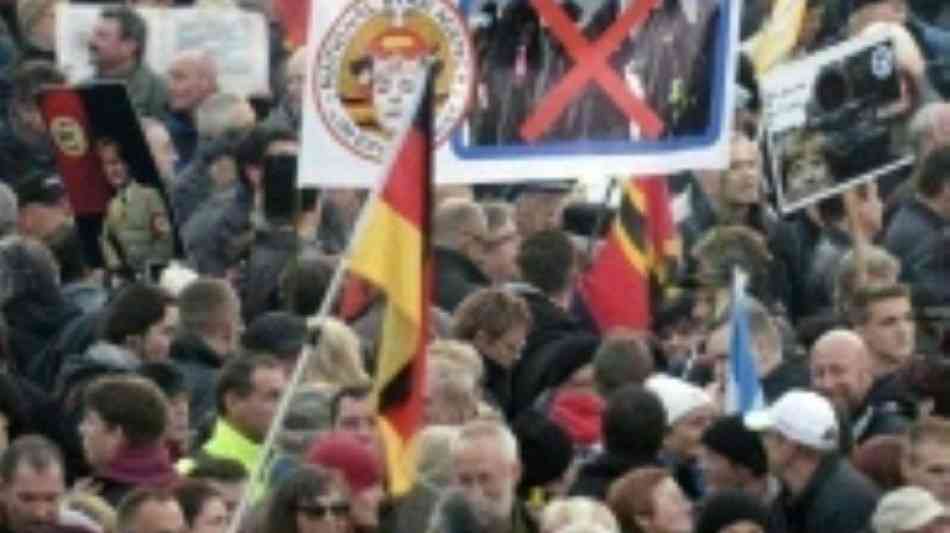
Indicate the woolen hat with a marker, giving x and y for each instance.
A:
(345, 453)
(729, 438)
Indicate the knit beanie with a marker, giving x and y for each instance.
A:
(344, 452)
(729, 437)
(545, 449)
(729, 507)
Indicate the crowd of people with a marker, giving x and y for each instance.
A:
(143, 366)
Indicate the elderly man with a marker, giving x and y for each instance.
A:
(487, 469)
(460, 234)
(192, 78)
(288, 112)
(117, 48)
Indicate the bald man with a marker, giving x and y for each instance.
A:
(842, 371)
(192, 77)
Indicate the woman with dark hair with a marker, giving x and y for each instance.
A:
(648, 500)
(203, 507)
(312, 500)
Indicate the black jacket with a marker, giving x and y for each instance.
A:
(456, 276)
(910, 234)
(200, 365)
(837, 499)
(887, 410)
(595, 477)
(792, 373)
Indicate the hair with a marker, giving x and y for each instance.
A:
(623, 357)
(91, 506)
(879, 458)
(631, 496)
(461, 355)
(859, 310)
(546, 260)
(8, 210)
(924, 124)
(434, 454)
(129, 508)
(218, 469)
(67, 248)
(237, 377)
(931, 176)
(492, 311)
(192, 495)
(762, 325)
(166, 376)
(456, 218)
(304, 283)
(306, 484)
(30, 77)
(254, 147)
(217, 115)
(634, 422)
(497, 213)
(28, 13)
(134, 310)
(472, 432)
(576, 511)
(336, 358)
(803, 143)
(927, 428)
(355, 392)
(131, 26)
(38, 452)
(202, 302)
(131, 403)
(879, 264)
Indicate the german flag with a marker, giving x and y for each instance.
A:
(636, 259)
(392, 251)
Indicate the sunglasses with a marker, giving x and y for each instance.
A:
(317, 511)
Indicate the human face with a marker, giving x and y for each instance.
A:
(163, 151)
(296, 70)
(394, 83)
(159, 517)
(501, 254)
(327, 514)
(506, 348)
(683, 440)
(741, 182)
(107, 48)
(100, 442)
(31, 498)
(928, 466)
(716, 353)
(212, 518)
(231, 494)
(255, 412)
(672, 512)
(807, 174)
(870, 210)
(43, 32)
(158, 337)
(114, 167)
(188, 86)
(40, 221)
(889, 331)
(536, 212)
(841, 372)
(357, 416)
(486, 478)
(718, 472)
(178, 429)
(366, 505)
(744, 526)
(779, 452)
(224, 172)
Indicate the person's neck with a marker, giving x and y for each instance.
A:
(119, 70)
(798, 477)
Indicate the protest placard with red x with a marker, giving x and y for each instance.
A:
(591, 64)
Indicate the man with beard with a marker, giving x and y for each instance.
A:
(117, 48)
(487, 470)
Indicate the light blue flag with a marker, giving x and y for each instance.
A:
(743, 388)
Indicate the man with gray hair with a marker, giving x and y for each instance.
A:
(460, 233)
(487, 469)
(192, 78)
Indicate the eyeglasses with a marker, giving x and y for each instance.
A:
(318, 511)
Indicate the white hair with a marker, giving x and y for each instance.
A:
(476, 431)
(578, 514)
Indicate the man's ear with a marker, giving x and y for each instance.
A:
(515, 472)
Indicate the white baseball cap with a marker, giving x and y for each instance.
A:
(906, 509)
(678, 397)
(801, 416)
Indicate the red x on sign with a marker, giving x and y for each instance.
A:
(590, 63)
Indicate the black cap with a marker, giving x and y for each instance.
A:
(730, 438)
(40, 189)
(279, 333)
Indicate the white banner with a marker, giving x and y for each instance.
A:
(236, 39)
(547, 101)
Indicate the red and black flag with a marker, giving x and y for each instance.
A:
(392, 251)
(635, 261)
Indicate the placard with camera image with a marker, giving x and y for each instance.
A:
(832, 121)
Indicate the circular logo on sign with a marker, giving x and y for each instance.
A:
(68, 136)
(366, 70)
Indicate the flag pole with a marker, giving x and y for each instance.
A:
(336, 283)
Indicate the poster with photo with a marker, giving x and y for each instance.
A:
(830, 121)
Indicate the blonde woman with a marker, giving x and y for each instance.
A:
(336, 359)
